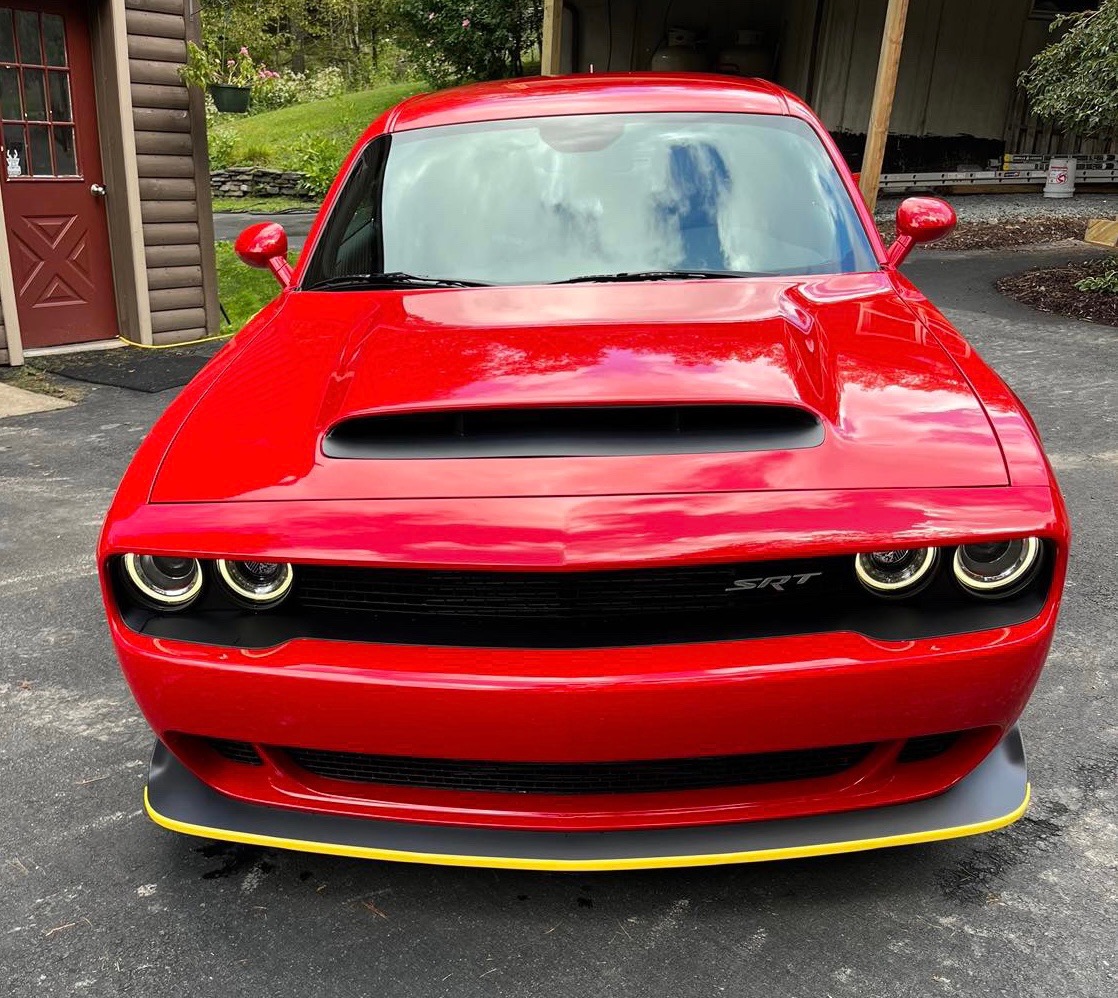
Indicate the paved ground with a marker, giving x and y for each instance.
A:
(228, 225)
(94, 900)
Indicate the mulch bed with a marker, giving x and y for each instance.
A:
(1054, 291)
(1000, 235)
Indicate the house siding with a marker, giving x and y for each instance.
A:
(169, 123)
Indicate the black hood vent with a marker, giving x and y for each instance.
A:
(574, 431)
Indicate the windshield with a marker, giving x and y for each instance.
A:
(546, 200)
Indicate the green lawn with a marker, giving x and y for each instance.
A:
(273, 139)
(242, 290)
(264, 205)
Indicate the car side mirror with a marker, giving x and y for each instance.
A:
(920, 220)
(264, 245)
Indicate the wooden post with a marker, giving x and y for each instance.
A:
(892, 40)
(552, 54)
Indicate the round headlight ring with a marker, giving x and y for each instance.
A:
(997, 569)
(896, 574)
(259, 584)
(168, 582)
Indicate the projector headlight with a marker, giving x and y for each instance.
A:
(258, 584)
(898, 573)
(167, 582)
(997, 569)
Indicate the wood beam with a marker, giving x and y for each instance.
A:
(552, 54)
(892, 41)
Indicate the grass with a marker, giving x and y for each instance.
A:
(242, 290)
(273, 139)
(264, 205)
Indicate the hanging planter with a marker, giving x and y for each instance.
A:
(230, 99)
(229, 80)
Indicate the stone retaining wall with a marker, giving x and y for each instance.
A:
(253, 181)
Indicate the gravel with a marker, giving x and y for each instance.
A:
(1003, 207)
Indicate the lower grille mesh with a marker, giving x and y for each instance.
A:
(546, 779)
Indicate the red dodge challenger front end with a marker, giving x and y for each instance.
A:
(596, 494)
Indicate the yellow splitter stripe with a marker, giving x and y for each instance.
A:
(574, 865)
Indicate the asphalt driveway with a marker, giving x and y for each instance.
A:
(95, 900)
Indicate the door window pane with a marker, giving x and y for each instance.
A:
(9, 94)
(54, 40)
(34, 96)
(7, 37)
(65, 163)
(27, 29)
(15, 151)
(59, 96)
(40, 150)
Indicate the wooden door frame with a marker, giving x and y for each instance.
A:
(113, 101)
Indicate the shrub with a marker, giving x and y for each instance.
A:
(274, 90)
(318, 159)
(324, 84)
(1075, 79)
(450, 41)
(1107, 283)
(221, 149)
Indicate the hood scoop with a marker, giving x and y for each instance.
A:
(573, 431)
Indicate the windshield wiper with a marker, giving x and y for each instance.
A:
(394, 279)
(658, 275)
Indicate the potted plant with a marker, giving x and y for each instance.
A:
(229, 80)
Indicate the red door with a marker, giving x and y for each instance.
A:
(50, 175)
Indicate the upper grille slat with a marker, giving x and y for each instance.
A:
(574, 431)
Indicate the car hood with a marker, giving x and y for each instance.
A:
(894, 408)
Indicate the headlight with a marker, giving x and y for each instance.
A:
(257, 583)
(997, 568)
(167, 582)
(896, 573)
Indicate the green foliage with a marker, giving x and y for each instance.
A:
(221, 149)
(1106, 283)
(451, 42)
(274, 139)
(242, 290)
(303, 35)
(318, 159)
(1074, 81)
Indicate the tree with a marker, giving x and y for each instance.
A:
(452, 42)
(1074, 81)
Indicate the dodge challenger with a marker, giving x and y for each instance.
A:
(597, 493)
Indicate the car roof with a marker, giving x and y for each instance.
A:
(600, 93)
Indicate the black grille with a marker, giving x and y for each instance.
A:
(574, 431)
(575, 596)
(241, 752)
(547, 779)
(927, 747)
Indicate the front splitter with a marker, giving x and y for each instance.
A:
(995, 794)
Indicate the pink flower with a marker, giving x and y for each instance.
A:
(465, 22)
(244, 50)
(231, 62)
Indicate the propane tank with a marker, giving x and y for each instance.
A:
(679, 54)
(1061, 178)
(747, 57)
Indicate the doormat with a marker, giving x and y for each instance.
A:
(130, 367)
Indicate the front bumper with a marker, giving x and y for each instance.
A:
(993, 795)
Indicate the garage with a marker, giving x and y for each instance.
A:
(104, 195)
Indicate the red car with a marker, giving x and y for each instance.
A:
(597, 494)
